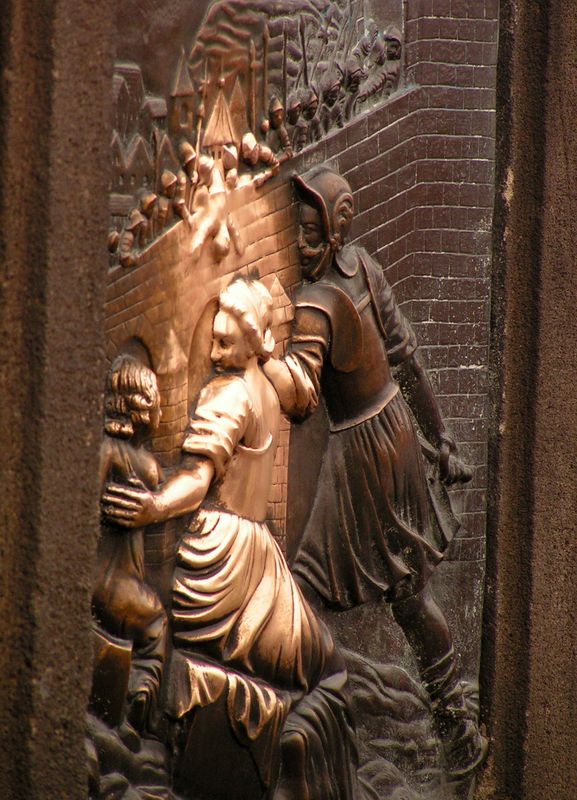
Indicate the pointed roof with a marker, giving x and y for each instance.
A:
(166, 153)
(117, 149)
(132, 74)
(182, 86)
(219, 128)
(238, 107)
(138, 152)
(118, 84)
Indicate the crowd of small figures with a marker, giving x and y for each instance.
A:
(197, 193)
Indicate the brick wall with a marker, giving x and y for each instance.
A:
(164, 305)
(421, 168)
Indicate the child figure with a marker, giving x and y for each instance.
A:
(124, 606)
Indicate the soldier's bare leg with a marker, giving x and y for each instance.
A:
(427, 631)
(428, 634)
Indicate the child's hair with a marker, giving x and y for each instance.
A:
(131, 393)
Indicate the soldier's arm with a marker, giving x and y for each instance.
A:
(402, 352)
(416, 387)
(280, 376)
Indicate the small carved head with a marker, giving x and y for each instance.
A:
(230, 156)
(250, 149)
(205, 167)
(135, 221)
(331, 84)
(186, 151)
(276, 112)
(294, 108)
(354, 74)
(168, 183)
(310, 103)
(187, 155)
(132, 398)
(393, 43)
(147, 202)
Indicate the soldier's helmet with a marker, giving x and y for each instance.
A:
(393, 34)
(147, 200)
(294, 102)
(249, 148)
(332, 79)
(167, 179)
(205, 168)
(310, 101)
(275, 105)
(186, 152)
(331, 194)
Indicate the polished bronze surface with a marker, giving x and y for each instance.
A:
(240, 625)
(249, 671)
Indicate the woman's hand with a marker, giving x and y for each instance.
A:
(132, 506)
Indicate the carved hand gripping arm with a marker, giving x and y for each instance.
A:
(136, 506)
(417, 389)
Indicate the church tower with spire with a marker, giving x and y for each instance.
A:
(220, 129)
(181, 107)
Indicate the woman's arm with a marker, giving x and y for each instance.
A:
(135, 506)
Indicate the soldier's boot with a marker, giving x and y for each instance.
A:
(464, 747)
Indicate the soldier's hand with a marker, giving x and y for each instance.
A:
(452, 469)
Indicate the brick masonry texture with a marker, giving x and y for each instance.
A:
(421, 168)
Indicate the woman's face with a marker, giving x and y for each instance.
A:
(230, 347)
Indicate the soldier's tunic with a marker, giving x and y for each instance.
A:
(367, 535)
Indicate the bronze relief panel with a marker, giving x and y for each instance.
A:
(270, 606)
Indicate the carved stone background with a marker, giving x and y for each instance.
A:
(421, 168)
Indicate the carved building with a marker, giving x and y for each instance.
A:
(182, 95)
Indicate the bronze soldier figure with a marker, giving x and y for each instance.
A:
(310, 112)
(367, 536)
(278, 138)
(168, 186)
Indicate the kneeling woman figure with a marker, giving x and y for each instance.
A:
(245, 639)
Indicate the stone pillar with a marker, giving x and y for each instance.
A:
(56, 60)
(531, 654)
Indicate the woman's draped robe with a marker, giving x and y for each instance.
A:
(240, 623)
